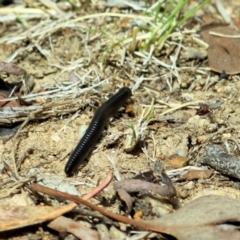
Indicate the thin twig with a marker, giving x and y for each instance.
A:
(137, 223)
(99, 188)
(182, 106)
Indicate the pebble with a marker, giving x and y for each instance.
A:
(116, 234)
(190, 185)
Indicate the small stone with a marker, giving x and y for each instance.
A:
(184, 193)
(116, 234)
(190, 185)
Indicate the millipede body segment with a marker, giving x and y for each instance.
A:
(95, 129)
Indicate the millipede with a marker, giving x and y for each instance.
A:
(95, 129)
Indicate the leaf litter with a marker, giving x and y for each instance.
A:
(223, 51)
(165, 83)
(19, 216)
(204, 216)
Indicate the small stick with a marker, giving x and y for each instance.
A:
(142, 224)
(217, 157)
(99, 188)
(181, 106)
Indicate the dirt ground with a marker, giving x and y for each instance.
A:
(92, 48)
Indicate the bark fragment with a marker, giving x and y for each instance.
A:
(216, 157)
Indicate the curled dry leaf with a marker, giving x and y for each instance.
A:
(176, 161)
(224, 50)
(63, 224)
(196, 174)
(136, 185)
(20, 216)
(206, 218)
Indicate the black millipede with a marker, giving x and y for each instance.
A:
(95, 129)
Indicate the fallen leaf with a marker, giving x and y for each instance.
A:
(176, 161)
(6, 103)
(206, 218)
(12, 217)
(11, 69)
(124, 187)
(196, 174)
(220, 191)
(223, 52)
(138, 215)
(63, 224)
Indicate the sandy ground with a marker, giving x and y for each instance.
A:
(44, 146)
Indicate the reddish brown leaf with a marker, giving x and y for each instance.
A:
(137, 185)
(11, 69)
(196, 174)
(8, 103)
(223, 52)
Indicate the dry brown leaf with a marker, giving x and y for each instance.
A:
(63, 224)
(19, 216)
(223, 52)
(176, 161)
(196, 174)
(124, 187)
(11, 69)
(206, 218)
(8, 103)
